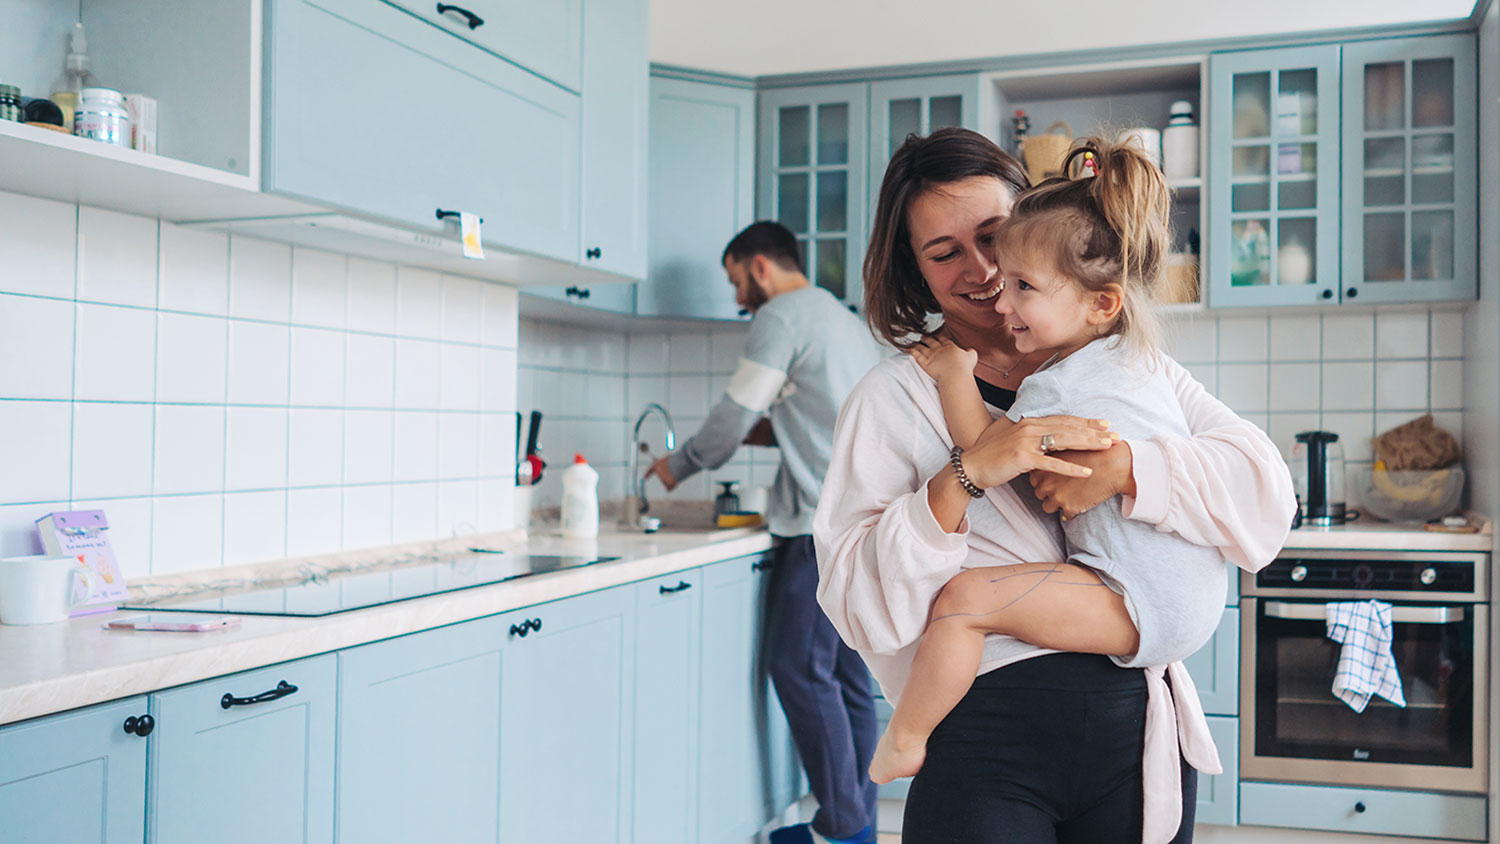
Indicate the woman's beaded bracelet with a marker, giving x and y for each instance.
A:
(955, 456)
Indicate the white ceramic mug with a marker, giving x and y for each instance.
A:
(40, 589)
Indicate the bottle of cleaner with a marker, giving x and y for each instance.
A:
(580, 500)
(67, 90)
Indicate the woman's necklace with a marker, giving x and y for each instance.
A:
(1004, 373)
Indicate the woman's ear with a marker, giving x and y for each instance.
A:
(1105, 304)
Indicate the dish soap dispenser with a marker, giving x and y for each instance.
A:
(75, 77)
(580, 500)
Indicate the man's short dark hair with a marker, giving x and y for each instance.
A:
(771, 239)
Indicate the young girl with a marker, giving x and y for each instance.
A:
(1079, 261)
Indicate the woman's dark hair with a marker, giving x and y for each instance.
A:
(773, 240)
(897, 298)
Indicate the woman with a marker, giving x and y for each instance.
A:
(1045, 747)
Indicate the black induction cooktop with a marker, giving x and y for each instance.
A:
(371, 589)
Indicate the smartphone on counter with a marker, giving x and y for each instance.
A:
(173, 623)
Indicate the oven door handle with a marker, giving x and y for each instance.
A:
(1399, 615)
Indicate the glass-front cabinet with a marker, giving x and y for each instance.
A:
(1274, 177)
(1410, 169)
(812, 177)
(901, 107)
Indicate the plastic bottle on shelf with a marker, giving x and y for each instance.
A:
(75, 77)
(580, 500)
(1020, 125)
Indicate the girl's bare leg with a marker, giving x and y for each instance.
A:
(1051, 605)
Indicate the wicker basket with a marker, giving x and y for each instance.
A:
(1044, 153)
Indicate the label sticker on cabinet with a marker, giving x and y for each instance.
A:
(468, 228)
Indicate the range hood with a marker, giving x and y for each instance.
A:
(382, 242)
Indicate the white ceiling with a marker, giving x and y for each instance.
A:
(759, 37)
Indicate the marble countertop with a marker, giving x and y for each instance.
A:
(55, 667)
(1371, 534)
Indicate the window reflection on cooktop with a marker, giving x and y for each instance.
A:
(359, 591)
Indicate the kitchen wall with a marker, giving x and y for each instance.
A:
(226, 400)
(1356, 373)
(591, 384)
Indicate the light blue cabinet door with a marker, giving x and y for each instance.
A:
(665, 768)
(1273, 177)
(544, 38)
(813, 168)
(1215, 668)
(565, 710)
(1410, 160)
(702, 177)
(616, 105)
(251, 772)
(732, 793)
(614, 298)
(419, 737)
(1365, 811)
(1218, 795)
(77, 777)
(378, 113)
(901, 107)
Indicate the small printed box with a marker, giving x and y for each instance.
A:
(142, 111)
(84, 534)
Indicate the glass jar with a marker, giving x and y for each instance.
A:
(101, 116)
(10, 103)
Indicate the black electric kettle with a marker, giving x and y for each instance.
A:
(1322, 489)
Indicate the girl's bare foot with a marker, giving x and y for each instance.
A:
(893, 761)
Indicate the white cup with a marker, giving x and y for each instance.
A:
(40, 589)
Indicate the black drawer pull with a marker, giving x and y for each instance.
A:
(443, 214)
(682, 586)
(474, 20)
(760, 565)
(577, 292)
(282, 689)
(141, 726)
(1359, 808)
(595, 253)
(527, 626)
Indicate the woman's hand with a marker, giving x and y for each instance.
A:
(1112, 475)
(1007, 449)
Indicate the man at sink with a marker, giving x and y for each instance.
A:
(804, 354)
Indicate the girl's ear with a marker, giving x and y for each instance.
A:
(1105, 304)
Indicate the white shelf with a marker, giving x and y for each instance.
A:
(52, 165)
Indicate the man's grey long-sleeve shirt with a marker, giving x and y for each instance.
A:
(804, 355)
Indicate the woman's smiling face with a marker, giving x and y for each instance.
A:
(952, 230)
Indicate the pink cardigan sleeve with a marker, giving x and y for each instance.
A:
(1226, 486)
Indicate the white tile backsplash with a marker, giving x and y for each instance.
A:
(1447, 334)
(36, 344)
(1401, 385)
(1401, 334)
(1296, 337)
(1243, 339)
(1348, 386)
(1348, 336)
(418, 374)
(1243, 386)
(1296, 387)
(188, 424)
(116, 258)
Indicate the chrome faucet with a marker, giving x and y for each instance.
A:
(639, 518)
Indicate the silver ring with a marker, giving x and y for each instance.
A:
(1048, 443)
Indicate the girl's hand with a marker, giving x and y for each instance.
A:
(1006, 450)
(944, 359)
(1112, 475)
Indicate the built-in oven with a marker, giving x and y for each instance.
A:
(1293, 728)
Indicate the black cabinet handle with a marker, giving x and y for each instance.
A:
(140, 726)
(443, 214)
(474, 20)
(282, 689)
(682, 586)
(596, 252)
(1327, 294)
(579, 293)
(527, 626)
(1359, 808)
(1352, 292)
(760, 565)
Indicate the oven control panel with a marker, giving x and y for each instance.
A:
(1442, 576)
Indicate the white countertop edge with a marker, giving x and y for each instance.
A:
(174, 659)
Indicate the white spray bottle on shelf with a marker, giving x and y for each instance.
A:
(580, 500)
(75, 76)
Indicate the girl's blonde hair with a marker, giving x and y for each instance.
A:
(1113, 228)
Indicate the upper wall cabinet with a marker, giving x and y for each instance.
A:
(616, 103)
(1397, 224)
(376, 111)
(901, 107)
(541, 37)
(1273, 210)
(1410, 165)
(702, 194)
(813, 168)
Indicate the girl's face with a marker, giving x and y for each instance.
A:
(952, 231)
(1042, 310)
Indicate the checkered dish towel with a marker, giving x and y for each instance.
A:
(1366, 666)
